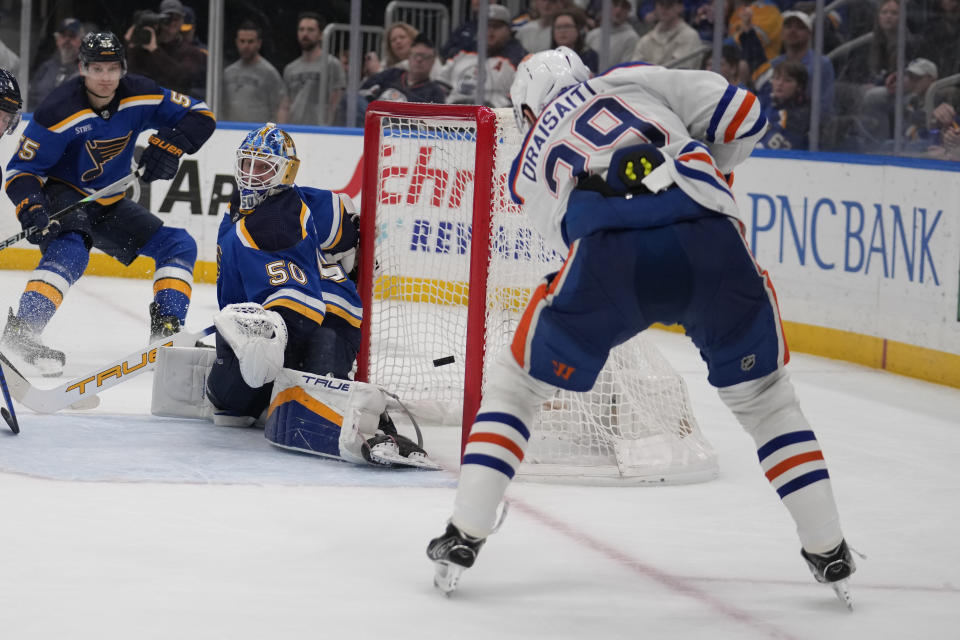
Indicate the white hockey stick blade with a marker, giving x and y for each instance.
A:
(387, 453)
(81, 393)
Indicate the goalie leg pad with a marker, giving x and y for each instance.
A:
(315, 414)
(179, 383)
(226, 389)
(337, 418)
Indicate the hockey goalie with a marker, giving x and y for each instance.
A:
(288, 329)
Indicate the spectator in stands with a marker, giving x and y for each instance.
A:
(788, 115)
(464, 36)
(672, 42)
(158, 51)
(253, 90)
(763, 18)
(732, 66)
(398, 38)
(315, 81)
(189, 30)
(402, 85)
(569, 30)
(623, 37)
(504, 53)
(62, 65)
(946, 137)
(941, 38)
(536, 35)
(797, 32)
(870, 65)
(879, 108)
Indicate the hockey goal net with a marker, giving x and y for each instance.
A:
(453, 265)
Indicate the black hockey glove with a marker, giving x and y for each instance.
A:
(161, 158)
(32, 212)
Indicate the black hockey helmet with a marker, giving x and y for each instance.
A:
(10, 99)
(102, 46)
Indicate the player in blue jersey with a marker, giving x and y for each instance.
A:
(81, 139)
(279, 246)
(288, 249)
(629, 170)
(11, 102)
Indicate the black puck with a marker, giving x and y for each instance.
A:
(439, 362)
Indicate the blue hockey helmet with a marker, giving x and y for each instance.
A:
(10, 102)
(266, 163)
(102, 46)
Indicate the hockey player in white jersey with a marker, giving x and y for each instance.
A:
(630, 172)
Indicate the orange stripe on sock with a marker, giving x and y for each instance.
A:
(47, 290)
(494, 438)
(790, 463)
(172, 283)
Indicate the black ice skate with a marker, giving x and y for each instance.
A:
(162, 326)
(452, 552)
(390, 449)
(833, 568)
(23, 344)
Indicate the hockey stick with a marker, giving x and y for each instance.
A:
(9, 415)
(80, 393)
(111, 189)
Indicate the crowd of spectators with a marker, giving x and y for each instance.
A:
(768, 48)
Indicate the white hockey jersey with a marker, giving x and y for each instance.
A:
(703, 126)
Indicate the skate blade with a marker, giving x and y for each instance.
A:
(842, 589)
(45, 367)
(390, 456)
(446, 577)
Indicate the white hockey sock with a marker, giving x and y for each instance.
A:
(495, 448)
(790, 456)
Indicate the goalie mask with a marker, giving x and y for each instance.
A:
(266, 164)
(541, 77)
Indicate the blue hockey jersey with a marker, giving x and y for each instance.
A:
(275, 255)
(70, 142)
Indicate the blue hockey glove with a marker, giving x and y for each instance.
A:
(32, 212)
(161, 158)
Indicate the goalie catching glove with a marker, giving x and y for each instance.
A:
(257, 336)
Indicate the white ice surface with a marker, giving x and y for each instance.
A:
(158, 528)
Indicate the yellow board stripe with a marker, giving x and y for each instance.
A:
(905, 359)
(172, 283)
(296, 394)
(47, 290)
(300, 308)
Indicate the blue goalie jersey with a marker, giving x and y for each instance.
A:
(275, 256)
(70, 142)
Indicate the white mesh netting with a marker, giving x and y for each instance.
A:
(634, 426)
